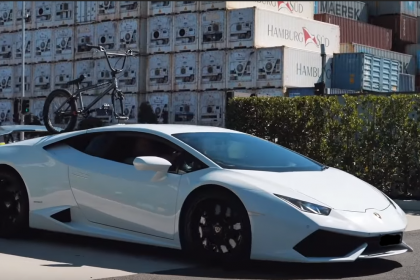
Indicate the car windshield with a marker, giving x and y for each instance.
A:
(246, 152)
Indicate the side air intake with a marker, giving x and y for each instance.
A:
(62, 216)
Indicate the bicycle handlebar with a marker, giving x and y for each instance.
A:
(102, 49)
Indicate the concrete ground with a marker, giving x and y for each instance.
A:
(51, 256)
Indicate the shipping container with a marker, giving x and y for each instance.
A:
(18, 12)
(159, 73)
(414, 50)
(288, 67)
(269, 92)
(86, 12)
(185, 69)
(294, 8)
(339, 91)
(44, 14)
(63, 73)
(298, 92)
(37, 107)
(359, 32)
(43, 46)
(184, 108)
(407, 62)
(18, 81)
(354, 10)
(417, 83)
(107, 10)
(106, 36)
(263, 29)
(186, 7)
(6, 16)
(242, 93)
(157, 8)
(6, 81)
(132, 79)
(212, 70)
(160, 102)
(6, 49)
(404, 28)
(186, 32)
(159, 34)
(103, 73)
(64, 13)
(64, 44)
(240, 69)
(85, 34)
(131, 31)
(211, 108)
(41, 76)
(379, 8)
(213, 35)
(407, 83)
(86, 68)
(27, 47)
(6, 111)
(365, 72)
(131, 107)
(132, 9)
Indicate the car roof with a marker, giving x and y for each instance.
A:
(168, 129)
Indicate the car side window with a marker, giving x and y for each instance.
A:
(93, 144)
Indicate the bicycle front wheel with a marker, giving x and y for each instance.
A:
(60, 111)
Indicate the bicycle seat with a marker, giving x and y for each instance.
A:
(77, 81)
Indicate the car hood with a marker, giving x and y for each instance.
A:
(332, 187)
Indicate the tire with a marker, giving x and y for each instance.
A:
(14, 205)
(59, 93)
(199, 238)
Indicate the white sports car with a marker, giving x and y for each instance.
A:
(211, 191)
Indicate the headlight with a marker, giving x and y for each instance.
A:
(306, 206)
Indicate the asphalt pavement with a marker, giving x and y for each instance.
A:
(52, 256)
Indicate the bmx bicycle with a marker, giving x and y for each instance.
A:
(67, 111)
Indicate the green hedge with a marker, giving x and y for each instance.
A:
(375, 138)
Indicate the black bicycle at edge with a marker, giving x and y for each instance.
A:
(69, 115)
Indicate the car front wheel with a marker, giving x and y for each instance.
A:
(217, 227)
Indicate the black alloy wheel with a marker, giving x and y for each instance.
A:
(218, 228)
(13, 205)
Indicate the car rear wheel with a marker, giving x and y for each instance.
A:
(14, 205)
(217, 228)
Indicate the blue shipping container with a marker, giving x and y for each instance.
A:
(365, 72)
(295, 92)
(407, 83)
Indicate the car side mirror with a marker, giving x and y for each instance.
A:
(155, 164)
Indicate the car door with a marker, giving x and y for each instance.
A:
(113, 193)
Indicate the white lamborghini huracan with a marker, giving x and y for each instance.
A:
(210, 191)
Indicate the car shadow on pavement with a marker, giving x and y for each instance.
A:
(74, 251)
(275, 270)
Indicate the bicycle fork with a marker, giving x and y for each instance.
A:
(119, 96)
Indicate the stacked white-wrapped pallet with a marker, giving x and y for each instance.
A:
(55, 52)
(190, 64)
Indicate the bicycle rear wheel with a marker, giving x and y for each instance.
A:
(66, 117)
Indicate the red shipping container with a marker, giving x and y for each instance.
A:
(404, 28)
(352, 31)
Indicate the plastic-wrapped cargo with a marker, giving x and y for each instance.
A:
(352, 31)
(211, 108)
(365, 72)
(253, 27)
(378, 8)
(407, 83)
(354, 10)
(404, 28)
(407, 61)
(295, 8)
(184, 107)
